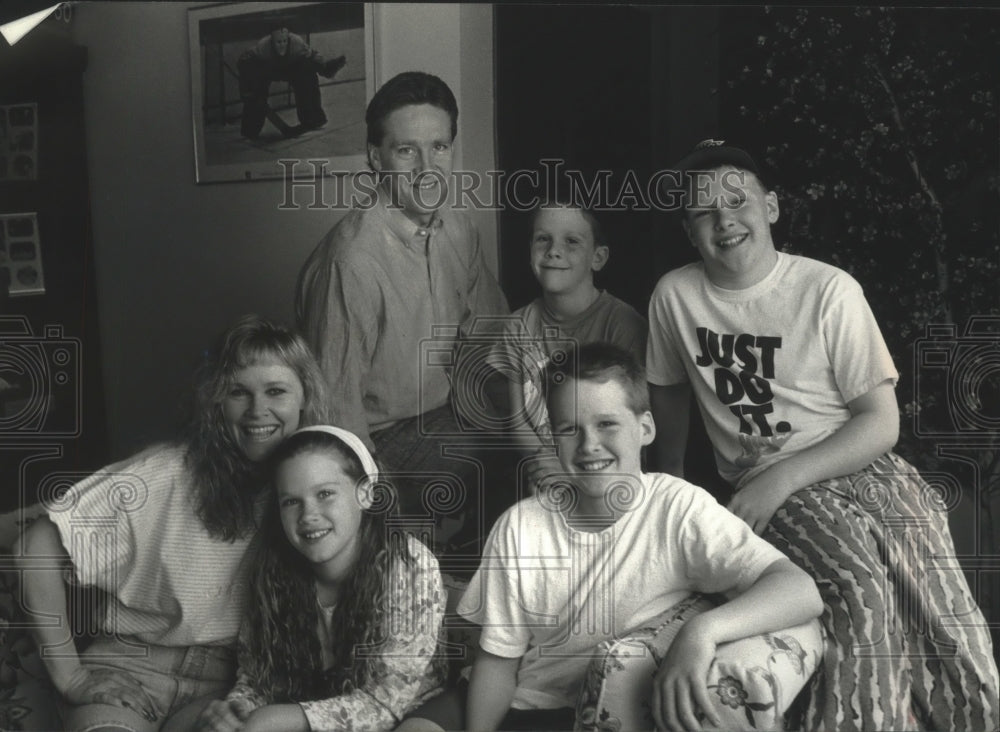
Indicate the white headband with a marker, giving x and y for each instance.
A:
(353, 442)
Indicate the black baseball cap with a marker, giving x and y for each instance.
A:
(709, 154)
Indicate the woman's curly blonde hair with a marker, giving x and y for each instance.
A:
(226, 483)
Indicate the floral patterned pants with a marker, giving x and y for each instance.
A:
(907, 646)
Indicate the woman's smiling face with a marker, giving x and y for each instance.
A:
(262, 406)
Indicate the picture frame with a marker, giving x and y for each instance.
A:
(248, 60)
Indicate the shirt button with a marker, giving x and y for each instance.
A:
(421, 232)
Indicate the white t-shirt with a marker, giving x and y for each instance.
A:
(549, 594)
(772, 366)
(132, 529)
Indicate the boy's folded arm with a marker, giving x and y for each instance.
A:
(491, 690)
(671, 408)
(872, 430)
(782, 596)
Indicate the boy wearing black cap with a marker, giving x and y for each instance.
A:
(796, 387)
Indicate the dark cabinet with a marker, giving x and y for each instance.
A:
(52, 412)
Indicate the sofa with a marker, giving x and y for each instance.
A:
(27, 698)
(754, 681)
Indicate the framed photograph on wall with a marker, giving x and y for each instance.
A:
(277, 81)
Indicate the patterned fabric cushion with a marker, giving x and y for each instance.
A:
(753, 680)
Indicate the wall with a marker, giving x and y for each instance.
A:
(177, 261)
(458, 47)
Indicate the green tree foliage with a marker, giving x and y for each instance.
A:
(880, 126)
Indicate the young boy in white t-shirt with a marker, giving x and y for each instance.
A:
(604, 550)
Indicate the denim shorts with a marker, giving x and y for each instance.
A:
(173, 677)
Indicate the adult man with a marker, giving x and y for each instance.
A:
(395, 273)
(795, 383)
(283, 56)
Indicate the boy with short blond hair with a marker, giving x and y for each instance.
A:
(603, 551)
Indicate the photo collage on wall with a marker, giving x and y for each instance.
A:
(20, 255)
(20, 249)
(18, 142)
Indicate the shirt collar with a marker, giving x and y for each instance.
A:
(403, 228)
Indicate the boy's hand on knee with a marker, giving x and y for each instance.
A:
(757, 501)
(680, 687)
(108, 686)
(221, 716)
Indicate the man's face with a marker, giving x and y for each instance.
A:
(416, 153)
(279, 41)
(729, 224)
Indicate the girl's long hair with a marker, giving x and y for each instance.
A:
(226, 482)
(278, 648)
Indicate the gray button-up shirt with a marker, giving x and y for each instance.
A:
(373, 289)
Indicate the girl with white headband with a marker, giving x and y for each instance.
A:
(345, 610)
